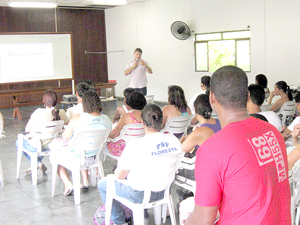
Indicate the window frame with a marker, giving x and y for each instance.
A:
(221, 39)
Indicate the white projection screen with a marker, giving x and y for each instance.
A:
(34, 57)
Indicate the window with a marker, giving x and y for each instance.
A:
(213, 50)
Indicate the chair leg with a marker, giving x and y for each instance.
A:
(54, 174)
(164, 212)
(93, 177)
(108, 208)
(297, 218)
(138, 216)
(76, 185)
(172, 211)
(1, 175)
(34, 168)
(100, 170)
(157, 214)
(19, 156)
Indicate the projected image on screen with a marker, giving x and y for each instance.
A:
(26, 60)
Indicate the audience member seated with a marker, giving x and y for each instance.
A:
(121, 110)
(287, 133)
(257, 96)
(284, 91)
(262, 80)
(208, 125)
(205, 84)
(40, 115)
(177, 104)
(137, 161)
(294, 150)
(81, 88)
(137, 102)
(91, 119)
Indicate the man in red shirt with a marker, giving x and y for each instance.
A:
(242, 170)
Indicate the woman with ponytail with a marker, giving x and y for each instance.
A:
(208, 127)
(284, 91)
(40, 115)
(177, 104)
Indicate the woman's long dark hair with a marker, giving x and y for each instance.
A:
(50, 100)
(177, 98)
(282, 85)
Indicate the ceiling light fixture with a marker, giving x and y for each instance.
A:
(33, 4)
(110, 2)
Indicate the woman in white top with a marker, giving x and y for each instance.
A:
(284, 91)
(91, 119)
(40, 115)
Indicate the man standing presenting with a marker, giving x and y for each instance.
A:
(137, 68)
(242, 170)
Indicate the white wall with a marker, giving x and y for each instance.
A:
(274, 33)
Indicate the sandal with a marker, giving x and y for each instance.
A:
(68, 192)
(84, 187)
(100, 214)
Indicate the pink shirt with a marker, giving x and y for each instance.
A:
(243, 168)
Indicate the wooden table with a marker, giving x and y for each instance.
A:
(15, 95)
(101, 85)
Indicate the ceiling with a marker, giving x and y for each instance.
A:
(79, 4)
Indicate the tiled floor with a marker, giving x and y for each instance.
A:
(23, 203)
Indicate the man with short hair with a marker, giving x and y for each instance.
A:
(256, 99)
(137, 68)
(242, 170)
(81, 88)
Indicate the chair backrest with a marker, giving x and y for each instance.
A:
(169, 165)
(48, 129)
(149, 99)
(287, 112)
(177, 125)
(132, 131)
(90, 141)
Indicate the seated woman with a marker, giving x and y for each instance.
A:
(177, 104)
(282, 89)
(40, 115)
(121, 110)
(208, 127)
(137, 102)
(294, 151)
(262, 80)
(288, 131)
(91, 119)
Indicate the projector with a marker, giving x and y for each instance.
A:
(69, 98)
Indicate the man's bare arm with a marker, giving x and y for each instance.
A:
(202, 215)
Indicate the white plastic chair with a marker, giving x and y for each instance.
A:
(128, 133)
(84, 141)
(149, 99)
(46, 130)
(1, 126)
(138, 209)
(177, 125)
(186, 163)
(286, 113)
(294, 179)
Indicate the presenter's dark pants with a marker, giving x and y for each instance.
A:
(142, 90)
